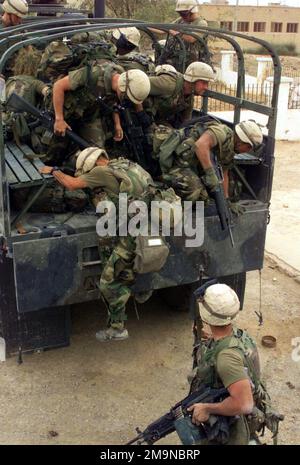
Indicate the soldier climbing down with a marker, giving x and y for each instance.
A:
(171, 94)
(107, 82)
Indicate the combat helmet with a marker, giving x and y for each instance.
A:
(165, 69)
(250, 133)
(131, 34)
(187, 5)
(87, 158)
(136, 84)
(199, 71)
(15, 7)
(219, 306)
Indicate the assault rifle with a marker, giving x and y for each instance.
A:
(17, 104)
(221, 202)
(178, 419)
(136, 139)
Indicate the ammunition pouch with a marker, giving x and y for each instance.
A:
(151, 254)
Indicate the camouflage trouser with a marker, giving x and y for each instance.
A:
(117, 278)
(186, 184)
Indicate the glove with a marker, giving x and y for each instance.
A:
(236, 208)
(210, 179)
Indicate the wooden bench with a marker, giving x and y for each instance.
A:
(22, 171)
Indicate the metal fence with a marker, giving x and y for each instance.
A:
(254, 93)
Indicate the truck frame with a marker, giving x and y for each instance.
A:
(56, 264)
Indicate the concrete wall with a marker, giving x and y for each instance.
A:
(268, 14)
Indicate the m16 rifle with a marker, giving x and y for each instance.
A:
(179, 420)
(18, 104)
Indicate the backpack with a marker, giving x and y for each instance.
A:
(60, 57)
(133, 179)
(18, 122)
(136, 61)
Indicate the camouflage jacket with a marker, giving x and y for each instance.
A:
(178, 149)
(88, 84)
(166, 101)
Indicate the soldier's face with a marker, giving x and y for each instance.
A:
(186, 15)
(240, 146)
(10, 20)
(15, 20)
(6, 20)
(200, 87)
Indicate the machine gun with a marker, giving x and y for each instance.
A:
(178, 419)
(220, 200)
(18, 104)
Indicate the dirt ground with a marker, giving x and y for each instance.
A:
(92, 393)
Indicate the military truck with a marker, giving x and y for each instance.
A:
(53, 261)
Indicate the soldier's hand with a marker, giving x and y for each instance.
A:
(46, 169)
(118, 134)
(235, 208)
(200, 414)
(210, 179)
(60, 127)
(174, 33)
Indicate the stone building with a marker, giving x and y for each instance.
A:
(276, 24)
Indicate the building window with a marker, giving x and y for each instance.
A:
(226, 25)
(259, 27)
(276, 27)
(292, 27)
(243, 26)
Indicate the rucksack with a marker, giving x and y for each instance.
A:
(133, 179)
(136, 61)
(60, 57)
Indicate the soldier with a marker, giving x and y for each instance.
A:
(86, 95)
(14, 12)
(229, 358)
(171, 94)
(33, 91)
(185, 156)
(126, 39)
(189, 16)
(96, 172)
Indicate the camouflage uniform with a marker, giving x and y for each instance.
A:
(180, 165)
(80, 106)
(224, 362)
(87, 117)
(193, 50)
(136, 60)
(166, 101)
(117, 275)
(30, 89)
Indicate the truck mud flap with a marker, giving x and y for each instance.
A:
(49, 272)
